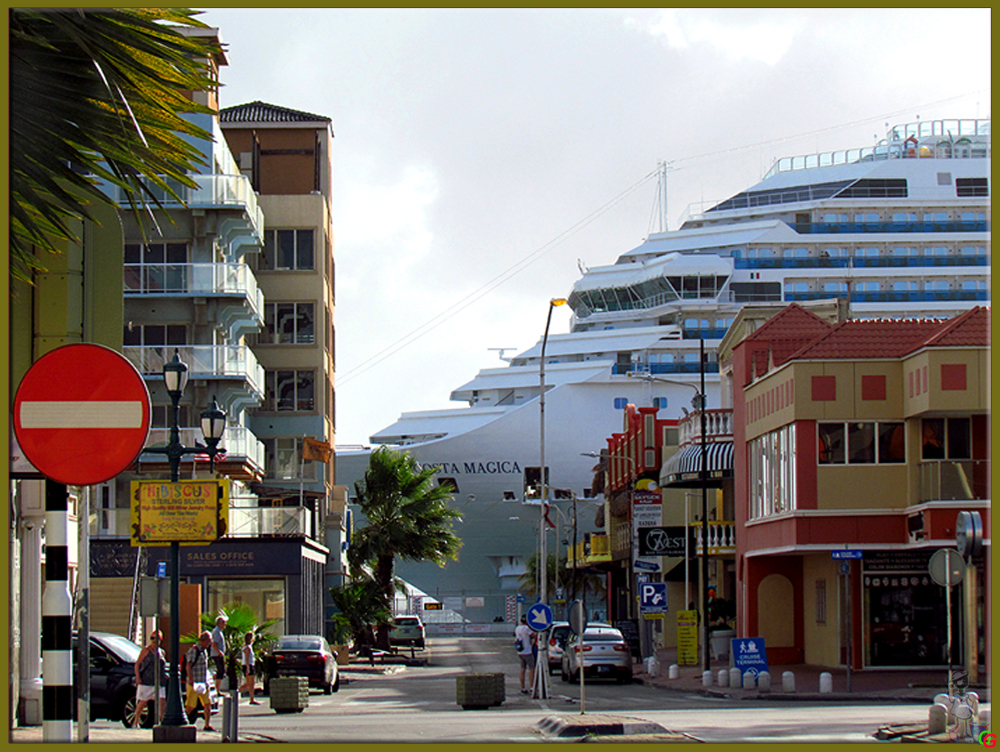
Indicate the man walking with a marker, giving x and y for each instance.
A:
(197, 678)
(219, 651)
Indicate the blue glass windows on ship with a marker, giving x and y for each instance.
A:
(288, 324)
(289, 391)
(287, 250)
(646, 294)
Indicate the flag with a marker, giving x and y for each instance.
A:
(314, 449)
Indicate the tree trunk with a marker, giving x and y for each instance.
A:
(383, 573)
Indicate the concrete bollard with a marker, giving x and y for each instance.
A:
(937, 719)
(788, 681)
(654, 667)
(674, 671)
(735, 677)
(723, 678)
(749, 680)
(706, 678)
(825, 683)
(764, 681)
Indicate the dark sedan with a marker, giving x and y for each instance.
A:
(112, 676)
(309, 656)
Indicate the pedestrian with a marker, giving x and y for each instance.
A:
(219, 650)
(151, 660)
(197, 678)
(248, 667)
(524, 644)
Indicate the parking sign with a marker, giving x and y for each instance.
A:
(653, 598)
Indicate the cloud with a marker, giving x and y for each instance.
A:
(765, 40)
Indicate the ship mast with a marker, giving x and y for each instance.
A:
(661, 194)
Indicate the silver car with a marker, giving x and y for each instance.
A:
(604, 652)
(559, 633)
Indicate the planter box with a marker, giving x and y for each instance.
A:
(479, 690)
(289, 694)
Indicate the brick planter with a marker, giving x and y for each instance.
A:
(289, 694)
(475, 691)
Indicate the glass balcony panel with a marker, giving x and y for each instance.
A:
(954, 480)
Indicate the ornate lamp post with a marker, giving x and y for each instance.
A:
(213, 424)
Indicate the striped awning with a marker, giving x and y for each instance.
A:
(684, 468)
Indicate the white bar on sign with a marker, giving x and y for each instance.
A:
(110, 414)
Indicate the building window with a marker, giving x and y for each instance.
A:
(947, 438)
(288, 250)
(283, 459)
(821, 601)
(861, 443)
(290, 391)
(772, 473)
(620, 403)
(156, 267)
(288, 324)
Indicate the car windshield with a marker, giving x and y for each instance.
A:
(411, 622)
(603, 636)
(122, 647)
(297, 643)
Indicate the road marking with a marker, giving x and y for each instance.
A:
(82, 414)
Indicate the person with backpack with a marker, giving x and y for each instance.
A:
(151, 660)
(524, 643)
(197, 678)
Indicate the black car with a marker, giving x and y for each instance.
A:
(302, 655)
(112, 676)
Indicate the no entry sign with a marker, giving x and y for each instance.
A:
(81, 414)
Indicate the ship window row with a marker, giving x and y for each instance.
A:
(863, 255)
(895, 290)
(790, 195)
(870, 220)
(647, 294)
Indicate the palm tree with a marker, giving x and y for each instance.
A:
(240, 618)
(557, 575)
(360, 603)
(408, 516)
(98, 95)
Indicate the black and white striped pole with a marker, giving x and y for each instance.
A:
(57, 621)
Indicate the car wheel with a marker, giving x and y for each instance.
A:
(336, 683)
(128, 714)
(327, 688)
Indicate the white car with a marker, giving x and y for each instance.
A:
(603, 653)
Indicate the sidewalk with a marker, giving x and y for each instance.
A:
(891, 685)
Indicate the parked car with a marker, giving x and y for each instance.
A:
(406, 630)
(302, 655)
(603, 653)
(559, 633)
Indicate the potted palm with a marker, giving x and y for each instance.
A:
(339, 637)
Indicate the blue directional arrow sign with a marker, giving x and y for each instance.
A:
(539, 617)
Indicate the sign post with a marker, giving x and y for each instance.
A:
(846, 556)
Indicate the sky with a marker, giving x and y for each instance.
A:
(482, 157)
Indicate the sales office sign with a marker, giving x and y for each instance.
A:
(661, 541)
(190, 511)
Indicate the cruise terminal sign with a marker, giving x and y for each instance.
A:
(190, 511)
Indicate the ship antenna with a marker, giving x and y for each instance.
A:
(502, 350)
(661, 194)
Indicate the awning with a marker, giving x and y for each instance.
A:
(684, 468)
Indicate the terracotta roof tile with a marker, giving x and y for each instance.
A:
(972, 328)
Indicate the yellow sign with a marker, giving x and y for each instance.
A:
(687, 638)
(190, 511)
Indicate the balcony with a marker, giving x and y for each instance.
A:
(281, 522)
(194, 279)
(212, 192)
(204, 362)
(718, 426)
(596, 549)
(239, 443)
(954, 480)
(721, 538)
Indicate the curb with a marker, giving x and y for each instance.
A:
(599, 725)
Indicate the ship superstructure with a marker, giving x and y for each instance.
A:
(897, 230)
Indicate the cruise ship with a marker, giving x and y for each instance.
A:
(895, 230)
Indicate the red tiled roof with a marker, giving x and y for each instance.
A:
(894, 338)
(786, 333)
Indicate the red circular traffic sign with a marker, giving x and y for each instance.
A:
(81, 414)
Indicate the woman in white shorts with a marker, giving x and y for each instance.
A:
(150, 660)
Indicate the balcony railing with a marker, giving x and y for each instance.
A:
(954, 480)
(237, 441)
(598, 548)
(721, 538)
(253, 522)
(213, 192)
(203, 361)
(718, 426)
(194, 279)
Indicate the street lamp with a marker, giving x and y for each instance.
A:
(213, 424)
(542, 667)
(699, 403)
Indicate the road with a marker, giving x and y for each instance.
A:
(417, 704)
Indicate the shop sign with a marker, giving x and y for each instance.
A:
(687, 638)
(749, 654)
(189, 511)
(896, 561)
